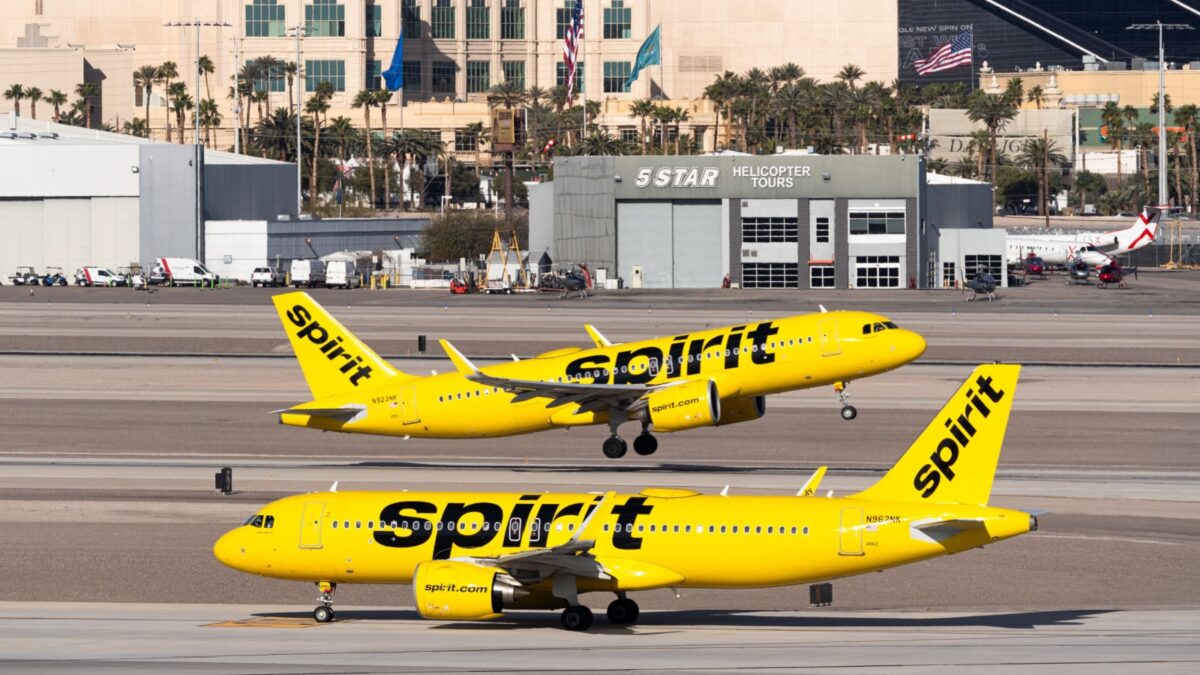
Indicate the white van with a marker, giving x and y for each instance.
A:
(310, 273)
(181, 271)
(98, 276)
(341, 274)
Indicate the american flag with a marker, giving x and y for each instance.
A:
(571, 46)
(953, 54)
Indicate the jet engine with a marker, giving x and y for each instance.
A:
(742, 409)
(687, 406)
(446, 589)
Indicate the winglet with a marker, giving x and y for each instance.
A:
(462, 363)
(599, 339)
(585, 528)
(823, 310)
(811, 485)
(333, 488)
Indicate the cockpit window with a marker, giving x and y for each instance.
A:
(866, 329)
(256, 521)
(889, 324)
(269, 522)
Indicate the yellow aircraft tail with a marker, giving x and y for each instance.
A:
(954, 459)
(333, 360)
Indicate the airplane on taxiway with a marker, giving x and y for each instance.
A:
(1094, 248)
(470, 556)
(705, 378)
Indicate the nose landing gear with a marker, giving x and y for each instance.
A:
(849, 412)
(324, 611)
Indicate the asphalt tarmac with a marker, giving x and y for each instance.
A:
(109, 439)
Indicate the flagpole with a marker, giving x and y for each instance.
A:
(972, 90)
(662, 77)
(582, 91)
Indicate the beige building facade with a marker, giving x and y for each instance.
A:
(454, 50)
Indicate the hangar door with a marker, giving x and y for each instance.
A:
(674, 244)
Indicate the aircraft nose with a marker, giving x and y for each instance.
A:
(911, 346)
(228, 550)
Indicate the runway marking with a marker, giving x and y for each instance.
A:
(264, 622)
(1049, 535)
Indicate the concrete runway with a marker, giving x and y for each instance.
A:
(106, 466)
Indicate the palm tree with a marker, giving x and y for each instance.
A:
(290, 71)
(721, 92)
(210, 116)
(600, 142)
(1114, 120)
(34, 95)
(317, 106)
(260, 99)
(206, 68)
(1040, 155)
(995, 112)
(480, 133)
(85, 92)
(15, 93)
(1036, 95)
(1144, 139)
(642, 109)
(535, 94)
(506, 94)
(58, 99)
(680, 115)
(181, 102)
(135, 127)
(850, 74)
(382, 98)
(1088, 184)
(341, 131)
(275, 136)
(1188, 117)
(167, 72)
(146, 77)
(365, 99)
(662, 116)
(271, 68)
(416, 146)
(1014, 91)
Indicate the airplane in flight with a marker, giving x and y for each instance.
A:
(1094, 248)
(704, 378)
(472, 556)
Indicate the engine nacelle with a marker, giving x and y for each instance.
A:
(687, 406)
(742, 409)
(445, 589)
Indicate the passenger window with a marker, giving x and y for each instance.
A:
(335, 524)
(641, 528)
(687, 528)
(735, 529)
(805, 530)
(651, 528)
(793, 529)
(395, 525)
(346, 525)
(358, 524)
(722, 529)
(606, 527)
(758, 529)
(269, 522)
(370, 524)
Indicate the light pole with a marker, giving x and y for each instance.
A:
(298, 32)
(197, 157)
(1163, 201)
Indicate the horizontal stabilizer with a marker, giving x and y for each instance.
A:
(937, 531)
(343, 414)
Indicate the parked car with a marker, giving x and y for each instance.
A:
(98, 276)
(266, 276)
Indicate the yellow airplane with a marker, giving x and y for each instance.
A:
(707, 378)
(470, 556)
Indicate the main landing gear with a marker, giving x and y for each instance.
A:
(577, 617)
(615, 447)
(324, 611)
(622, 611)
(849, 412)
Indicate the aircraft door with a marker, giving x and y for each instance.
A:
(635, 280)
(408, 405)
(310, 524)
(850, 538)
(828, 333)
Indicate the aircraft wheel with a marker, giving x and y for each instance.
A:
(615, 447)
(849, 412)
(622, 612)
(645, 444)
(577, 617)
(323, 614)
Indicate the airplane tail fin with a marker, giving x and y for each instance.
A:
(1141, 233)
(333, 360)
(954, 460)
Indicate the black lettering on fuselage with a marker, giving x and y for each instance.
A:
(626, 514)
(683, 349)
(961, 430)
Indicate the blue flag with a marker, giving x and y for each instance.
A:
(393, 77)
(649, 54)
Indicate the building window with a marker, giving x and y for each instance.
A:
(975, 265)
(512, 20)
(316, 72)
(444, 73)
(769, 230)
(615, 75)
(374, 74)
(265, 18)
(629, 135)
(412, 75)
(374, 21)
(514, 71)
(272, 82)
(877, 271)
(560, 74)
(465, 141)
(442, 22)
(949, 279)
(563, 18)
(479, 77)
(410, 18)
(770, 275)
(324, 18)
(617, 20)
(479, 20)
(820, 276)
(877, 222)
(822, 230)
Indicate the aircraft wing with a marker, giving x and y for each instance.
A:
(589, 397)
(571, 557)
